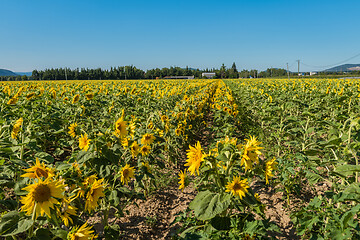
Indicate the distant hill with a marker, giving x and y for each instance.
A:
(344, 68)
(5, 72)
(24, 73)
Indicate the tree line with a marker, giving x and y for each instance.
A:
(131, 72)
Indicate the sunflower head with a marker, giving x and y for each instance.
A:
(84, 142)
(42, 195)
(147, 139)
(270, 166)
(120, 128)
(195, 156)
(238, 187)
(126, 173)
(38, 170)
(82, 233)
(145, 150)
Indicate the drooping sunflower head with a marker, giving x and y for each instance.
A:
(195, 156)
(42, 195)
(95, 191)
(82, 233)
(238, 187)
(134, 149)
(182, 180)
(38, 170)
(120, 128)
(126, 173)
(270, 166)
(16, 128)
(75, 98)
(84, 142)
(72, 129)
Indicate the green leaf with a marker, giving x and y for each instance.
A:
(43, 234)
(45, 156)
(347, 169)
(207, 205)
(11, 224)
(60, 233)
(221, 223)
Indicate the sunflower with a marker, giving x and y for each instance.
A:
(89, 96)
(238, 187)
(145, 150)
(72, 129)
(132, 127)
(81, 233)
(95, 192)
(84, 142)
(16, 128)
(147, 139)
(251, 152)
(66, 211)
(120, 128)
(75, 98)
(38, 170)
(270, 165)
(126, 174)
(195, 157)
(182, 177)
(12, 100)
(30, 96)
(42, 196)
(134, 149)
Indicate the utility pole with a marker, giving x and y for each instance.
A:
(287, 67)
(298, 67)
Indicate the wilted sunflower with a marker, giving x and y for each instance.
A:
(42, 196)
(195, 157)
(251, 153)
(84, 142)
(82, 233)
(238, 187)
(16, 128)
(145, 150)
(72, 129)
(38, 170)
(126, 174)
(120, 128)
(270, 166)
(95, 192)
(147, 139)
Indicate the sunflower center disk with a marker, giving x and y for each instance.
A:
(42, 193)
(237, 186)
(41, 173)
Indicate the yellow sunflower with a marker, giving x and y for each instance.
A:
(182, 177)
(38, 170)
(89, 96)
(145, 150)
(251, 153)
(65, 212)
(238, 187)
(16, 128)
(12, 100)
(75, 98)
(147, 139)
(81, 233)
(126, 174)
(270, 166)
(120, 128)
(134, 149)
(95, 192)
(195, 157)
(71, 131)
(84, 142)
(42, 196)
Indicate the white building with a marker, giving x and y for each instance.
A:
(208, 75)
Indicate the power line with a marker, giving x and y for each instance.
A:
(332, 65)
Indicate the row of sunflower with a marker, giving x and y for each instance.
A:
(226, 205)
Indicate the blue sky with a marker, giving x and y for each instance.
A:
(41, 34)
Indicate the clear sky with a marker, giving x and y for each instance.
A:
(39, 34)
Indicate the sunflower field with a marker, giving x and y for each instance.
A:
(71, 151)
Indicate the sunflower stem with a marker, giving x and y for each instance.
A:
(33, 218)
